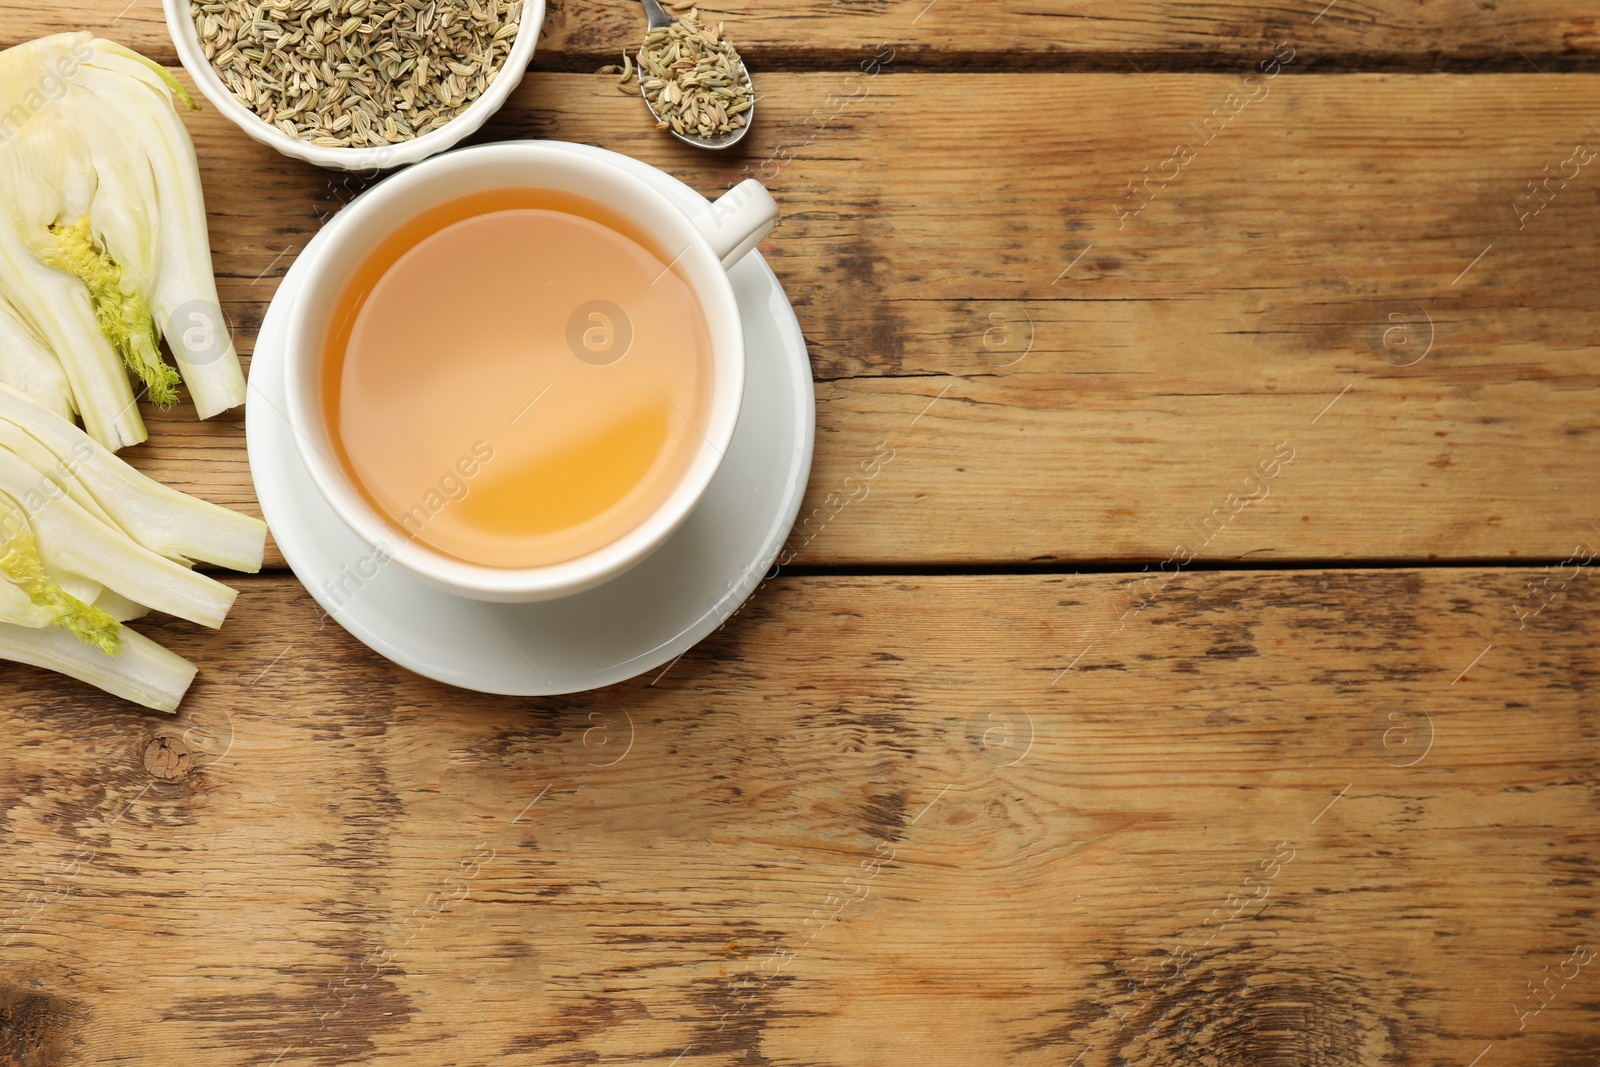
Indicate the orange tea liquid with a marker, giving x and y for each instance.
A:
(516, 378)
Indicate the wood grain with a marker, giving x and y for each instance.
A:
(578, 35)
(354, 864)
(1319, 274)
(1302, 816)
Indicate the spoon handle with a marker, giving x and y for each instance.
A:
(656, 17)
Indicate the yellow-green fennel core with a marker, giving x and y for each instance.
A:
(20, 563)
(123, 315)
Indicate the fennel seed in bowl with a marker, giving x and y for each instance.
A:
(356, 73)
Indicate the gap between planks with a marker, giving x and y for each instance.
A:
(1129, 567)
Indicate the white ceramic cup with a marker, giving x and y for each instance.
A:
(705, 247)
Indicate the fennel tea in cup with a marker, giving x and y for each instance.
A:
(518, 389)
(514, 378)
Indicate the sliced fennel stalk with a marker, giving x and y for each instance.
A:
(18, 609)
(25, 572)
(74, 540)
(27, 364)
(54, 476)
(74, 584)
(87, 543)
(160, 518)
(142, 672)
(118, 606)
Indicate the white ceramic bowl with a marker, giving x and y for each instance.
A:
(180, 24)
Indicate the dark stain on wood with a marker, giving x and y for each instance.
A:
(535, 731)
(738, 1010)
(579, 1021)
(319, 1027)
(1246, 1003)
(865, 267)
(883, 816)
(865, 731)
(35, 1027)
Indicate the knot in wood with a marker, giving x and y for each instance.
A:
(168, 758)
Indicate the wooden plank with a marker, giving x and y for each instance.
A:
(1014, 34)
(1327, 816)
(1318, 274)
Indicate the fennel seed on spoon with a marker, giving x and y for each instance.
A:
(693, 78)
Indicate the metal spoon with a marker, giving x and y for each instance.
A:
(658, 19)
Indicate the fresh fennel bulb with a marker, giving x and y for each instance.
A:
(103, 244)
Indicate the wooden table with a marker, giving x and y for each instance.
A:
(1081, 738)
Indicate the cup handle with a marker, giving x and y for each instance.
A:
(737, 221)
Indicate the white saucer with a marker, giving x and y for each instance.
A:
(642, 620)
